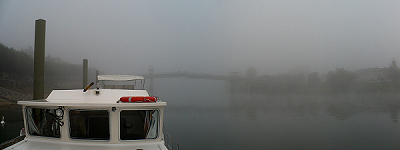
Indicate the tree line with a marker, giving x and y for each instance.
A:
(15, 63)
(18, 65)
(337, 81)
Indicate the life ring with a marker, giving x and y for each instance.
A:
(138, 99)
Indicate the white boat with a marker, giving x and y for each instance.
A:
(95, 119)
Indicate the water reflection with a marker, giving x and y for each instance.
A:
(251, 121)
(203, 114)
(13, 122)
(340, 106)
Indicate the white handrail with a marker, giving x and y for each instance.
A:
(171, 143)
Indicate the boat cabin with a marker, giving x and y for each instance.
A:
(95, 119)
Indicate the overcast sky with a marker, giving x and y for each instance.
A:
(210, 36)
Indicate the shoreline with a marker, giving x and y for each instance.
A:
(4, 104)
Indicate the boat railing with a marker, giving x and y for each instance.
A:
(11, 142)
(171, 143)
(120, 81)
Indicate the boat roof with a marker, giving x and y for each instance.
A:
(107, 97)
(119, 77)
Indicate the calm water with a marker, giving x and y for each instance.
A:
(202, 114)
(14, 123)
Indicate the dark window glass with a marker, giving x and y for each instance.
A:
(42, 122)
(89, 124)
(138, 124)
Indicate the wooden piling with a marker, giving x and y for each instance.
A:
(39, 58)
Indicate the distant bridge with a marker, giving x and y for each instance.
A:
(233, 78)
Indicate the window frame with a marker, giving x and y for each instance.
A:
(28, 126)
(150, 139)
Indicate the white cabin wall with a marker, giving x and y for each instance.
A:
(114, 125)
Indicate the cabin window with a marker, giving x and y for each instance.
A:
(42, 122)
(139, 124)
(89, 124)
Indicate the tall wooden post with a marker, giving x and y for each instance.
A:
(39, 58)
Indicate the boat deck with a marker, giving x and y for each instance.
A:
(34, 144)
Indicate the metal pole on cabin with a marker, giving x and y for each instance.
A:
(97, 74)
(151, 77)
(85, 73)
(39, 57)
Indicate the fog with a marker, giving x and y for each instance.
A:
(214, 37)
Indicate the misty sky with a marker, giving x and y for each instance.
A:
(206, 36)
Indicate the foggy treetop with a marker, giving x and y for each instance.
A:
(210, 36)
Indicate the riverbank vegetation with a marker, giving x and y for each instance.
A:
(16, 71)
(366, 80)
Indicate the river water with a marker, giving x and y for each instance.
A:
(203, 114)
